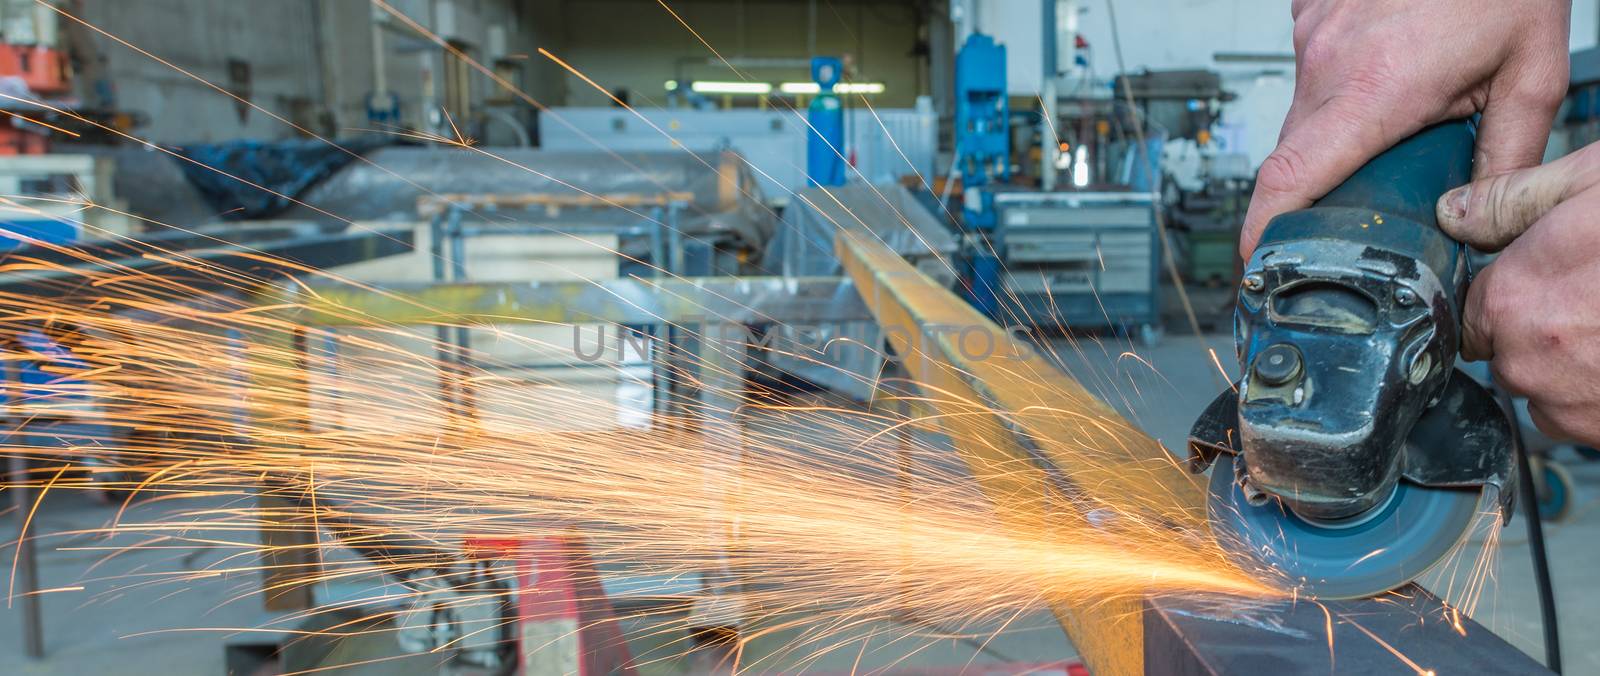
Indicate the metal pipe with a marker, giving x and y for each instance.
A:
(1049, 146)
(27, 568)
(380, 55)
(811, 29)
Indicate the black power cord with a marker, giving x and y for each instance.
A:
(1541, 561)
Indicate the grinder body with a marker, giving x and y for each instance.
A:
(1364, 291)
(1349, 409)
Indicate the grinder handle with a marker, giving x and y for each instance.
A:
(1408, 179)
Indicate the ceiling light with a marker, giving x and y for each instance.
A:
(705, 87)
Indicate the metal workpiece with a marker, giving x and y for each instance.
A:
(1020, 460)
(686, 300)
(1407, 631)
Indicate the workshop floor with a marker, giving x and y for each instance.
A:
(124, 623)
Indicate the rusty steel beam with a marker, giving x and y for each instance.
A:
(1025, 428)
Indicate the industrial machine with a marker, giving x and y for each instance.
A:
(983, 149)
(1352, 455)
(1081, 259)
(1077, 259)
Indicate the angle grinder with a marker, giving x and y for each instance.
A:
(1352, 455)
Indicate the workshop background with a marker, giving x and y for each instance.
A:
(1071, 173)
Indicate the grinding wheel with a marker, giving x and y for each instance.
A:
(1366, 555)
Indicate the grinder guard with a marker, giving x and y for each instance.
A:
(1347, 324)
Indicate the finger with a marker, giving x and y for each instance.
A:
(1515, 126)
(1313, 157)
(1477, 335)
(1545, 423)
(1489, 213)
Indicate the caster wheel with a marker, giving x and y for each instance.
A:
(1554, 489)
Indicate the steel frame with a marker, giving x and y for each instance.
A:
(277, 249)
(662, 302)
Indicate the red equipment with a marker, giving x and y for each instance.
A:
(46, 73)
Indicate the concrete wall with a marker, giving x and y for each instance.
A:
(311, 61)
(636, 44)
(273, 37)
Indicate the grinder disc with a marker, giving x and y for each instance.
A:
(1369, 554)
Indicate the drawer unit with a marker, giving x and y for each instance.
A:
(1080, 260)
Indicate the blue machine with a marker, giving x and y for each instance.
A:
(983, 153)
(47, 230)
(825, 140)
(40, 385)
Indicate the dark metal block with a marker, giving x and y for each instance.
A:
(1407, 631)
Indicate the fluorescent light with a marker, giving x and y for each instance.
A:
(859, 88)
(672, 85)
(732, 87)
(811, 88)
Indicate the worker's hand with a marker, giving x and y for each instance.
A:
(1535, 311)
(1369, 73)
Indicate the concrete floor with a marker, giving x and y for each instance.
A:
(124, 624)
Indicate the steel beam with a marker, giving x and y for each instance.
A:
(683, 300)
(259, 251)
(1073, 440)
(1016, 457)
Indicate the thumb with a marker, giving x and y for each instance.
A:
(1491, 212)
(1313, 157)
